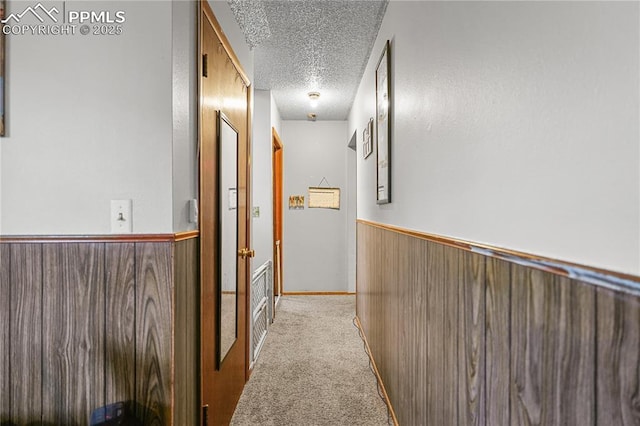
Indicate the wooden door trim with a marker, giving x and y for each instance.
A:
(206, 8)
(277, 145)
(276, 139)
(248, 218)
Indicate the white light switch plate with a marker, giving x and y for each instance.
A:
(193, 211)
(121, 217)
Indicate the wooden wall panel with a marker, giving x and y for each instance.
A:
(376, 297)
(180, 340)
(483, 341)
(90, 323)
(530, 346)
(618, 354)
(26, 333)
(73, 332)
(552, 343)
(418, 357)
(411, 302)
(389, 304)
(575, 361)
(187, 334)
(471, 339)
(5, 329)
(453, 275)
(497, 342)
(192, 353)
(154, 278)
(434, 334)
(372, 309)
(120, 289)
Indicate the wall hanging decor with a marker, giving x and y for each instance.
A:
(296, 202)
(3, 9)
(324, 197)
(383, 127)
(367, 139)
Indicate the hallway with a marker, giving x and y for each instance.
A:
(469, 169)
(313, 369)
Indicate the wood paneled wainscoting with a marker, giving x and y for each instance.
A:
(468, 335)
(86, 322)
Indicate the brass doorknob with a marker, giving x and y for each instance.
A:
(245, 252)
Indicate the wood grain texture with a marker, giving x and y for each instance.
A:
(418, 356)
(410, 302)
(603, 278)
(530, 361)
(180, 338)
(574, 355)
(528, 345)
(87, 329)
(390, 305)
(618, 355)
(120, 289)
(380, 285)
(552, 350)
(5, 330)
(193, 398)
(73, 332)
(471, 340)
(154, 278)
(435, 333)
(453, 275)
(187, 335)
(497, 341)
(26, 333)
(222, 90)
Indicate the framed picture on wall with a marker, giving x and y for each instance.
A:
(367, 139)
(383, 126)
(3, 12)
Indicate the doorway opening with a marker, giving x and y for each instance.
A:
(278, 149)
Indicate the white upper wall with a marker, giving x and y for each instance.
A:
(315, 240)
(276, 120)
(265, 117)
(89, 120)
(185, 112)
(262, 231)
(516, 124)
(95, 118)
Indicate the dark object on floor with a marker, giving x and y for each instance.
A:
(117, 414)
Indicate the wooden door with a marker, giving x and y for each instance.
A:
(223, 89)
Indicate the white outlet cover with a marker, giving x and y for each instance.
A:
(121, 217)
(193, 211)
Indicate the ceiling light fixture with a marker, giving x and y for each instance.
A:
(313, 98)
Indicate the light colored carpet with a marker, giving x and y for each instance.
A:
(313, 369)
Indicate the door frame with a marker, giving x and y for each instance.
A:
(277, 179)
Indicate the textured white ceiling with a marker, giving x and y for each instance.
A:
(310, 45)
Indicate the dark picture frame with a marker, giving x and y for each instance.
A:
(383, 126)
(3, 12)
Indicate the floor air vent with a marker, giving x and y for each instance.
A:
(261, 296)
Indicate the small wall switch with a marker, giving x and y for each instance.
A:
(256, 212)
(193, 211)
(121, 217)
